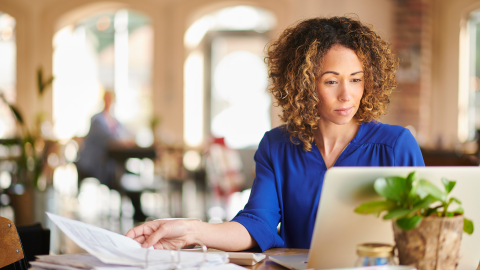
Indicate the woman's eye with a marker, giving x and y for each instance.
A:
(357, 80)
(330, 82)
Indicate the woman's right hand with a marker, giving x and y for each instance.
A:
(165, 234)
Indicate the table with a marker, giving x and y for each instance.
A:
(269, 265)
(121, 154)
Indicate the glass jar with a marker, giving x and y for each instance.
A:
(370, 254)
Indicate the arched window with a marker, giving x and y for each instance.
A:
(469, 96)
(112, 50)
(8, 56)
(226, 51)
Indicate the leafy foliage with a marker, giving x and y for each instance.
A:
(30, 163)
(408, 200)
(14, 110)
(42, 85)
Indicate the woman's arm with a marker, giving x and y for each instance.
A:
(406, 150)
(254, 226)
(172, 234)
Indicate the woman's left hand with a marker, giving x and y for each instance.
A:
(164, 234)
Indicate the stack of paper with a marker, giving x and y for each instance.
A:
(240, 258)
(87, 262)
(68, 262)
(108, 250)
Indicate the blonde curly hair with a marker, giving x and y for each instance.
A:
(295, 60)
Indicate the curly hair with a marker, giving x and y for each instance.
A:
(295, 60)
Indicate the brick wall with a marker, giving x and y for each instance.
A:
(411, 41)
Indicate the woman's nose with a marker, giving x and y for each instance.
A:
(344, 94)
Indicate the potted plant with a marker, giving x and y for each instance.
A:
(31, 159)
(427, 231)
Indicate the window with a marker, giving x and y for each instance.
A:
(8, 56)
(106, 51)
(469, 118)
(240, 106)
(229, 44)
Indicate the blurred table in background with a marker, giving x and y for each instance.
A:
(448, 158)
(121, 154)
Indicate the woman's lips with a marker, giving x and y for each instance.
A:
(344, 111)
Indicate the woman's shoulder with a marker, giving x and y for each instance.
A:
(275, 138)
(278, 135)
(379, 133)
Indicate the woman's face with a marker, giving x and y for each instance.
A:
(340, 85)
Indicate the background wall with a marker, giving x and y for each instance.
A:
(427, 96)
(448, 87)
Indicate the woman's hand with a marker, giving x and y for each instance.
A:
(165, 234)
(172, 234)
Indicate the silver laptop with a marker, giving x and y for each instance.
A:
(338, 229)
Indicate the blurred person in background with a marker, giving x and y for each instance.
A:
(333, 78)
(105, 131)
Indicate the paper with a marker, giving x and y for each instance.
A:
(228, 266)
(113, 248)
(52, 266)
(87, 261)
(240, 258)
(81, 260)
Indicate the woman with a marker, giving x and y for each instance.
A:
(332, 77)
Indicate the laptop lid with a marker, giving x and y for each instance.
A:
(338, 229)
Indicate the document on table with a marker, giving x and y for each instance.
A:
(240, 258)
(113, 248)
(82, 260)
(228, 266)
(87, 261)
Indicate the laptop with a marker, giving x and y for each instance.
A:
(338, 229)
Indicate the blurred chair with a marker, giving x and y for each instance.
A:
(35, 239)
(11, 250)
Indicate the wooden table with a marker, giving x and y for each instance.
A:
(269, 265)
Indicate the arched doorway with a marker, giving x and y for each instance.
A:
(225, 83)
(8, 54)
(104, 52)
(469, 94)
(110, 50)
(224, 73)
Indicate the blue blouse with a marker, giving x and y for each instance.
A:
(289, 180)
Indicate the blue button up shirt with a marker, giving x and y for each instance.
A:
(289, 180)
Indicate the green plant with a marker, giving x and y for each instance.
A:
(408, 200)
(30, 163)
(41, 83)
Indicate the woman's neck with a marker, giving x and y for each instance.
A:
(331, 139)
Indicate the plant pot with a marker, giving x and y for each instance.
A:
(433, 245)
(23, 207)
